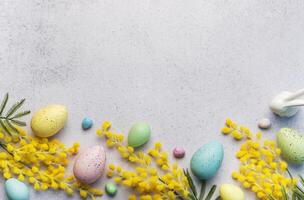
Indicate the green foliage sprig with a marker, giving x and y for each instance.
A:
(10, 119)
(194, 194)
(298, 192)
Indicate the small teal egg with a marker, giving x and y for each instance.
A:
(16, 190)
(139, 134)
(87, 123)
(206, 161)
(111, 189)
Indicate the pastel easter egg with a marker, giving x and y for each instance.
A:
(90, 164)
(179, 152)
(111, 189)
(16, 190)
(206, 161)
(264, 123)
(291, 142)
(49, 120)
(139, 134)
(87, 123)
(231, 192)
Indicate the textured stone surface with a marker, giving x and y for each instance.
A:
(182, 66)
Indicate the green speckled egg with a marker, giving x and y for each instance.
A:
(139, 134)
(291, 142)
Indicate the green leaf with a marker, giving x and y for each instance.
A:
(284, 193)
(302, 180)
(211, 192)
(21, 114)
(300, 189)
(17, 122)
(14, 108)
(203, 189)
(4, 127)
(297, 195)
(190, 181)
(290, 175)
(293, 195)
(3, 104)
(191, 196)
(218, 198)
(12, 126)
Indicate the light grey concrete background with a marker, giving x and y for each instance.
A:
(183, 66)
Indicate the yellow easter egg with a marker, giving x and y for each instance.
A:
(49, 120)
(231, 192)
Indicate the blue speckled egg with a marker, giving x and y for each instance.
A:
(87, 123)
(207, 160)
(16, 190)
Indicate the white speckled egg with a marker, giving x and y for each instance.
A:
(90, 164)
(49, 120)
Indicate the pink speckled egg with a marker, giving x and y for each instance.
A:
(179, 152)
(90, 164)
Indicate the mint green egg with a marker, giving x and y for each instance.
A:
(291, 142)
(111, 189)
(139, 134)
(16, 190)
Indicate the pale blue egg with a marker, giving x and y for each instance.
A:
(87, 123)
(16, 190)
(207, 160)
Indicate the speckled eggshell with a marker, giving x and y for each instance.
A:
(207, 160)
(291, 142)
(49, 120)
(90, 164)
(231, 192)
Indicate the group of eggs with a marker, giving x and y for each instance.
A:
(90, 163)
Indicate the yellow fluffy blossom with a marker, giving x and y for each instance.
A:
(237, 132)
(261, 170)
(41, 162)
(153, 176)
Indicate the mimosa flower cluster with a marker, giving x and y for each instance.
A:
(41, 162)
(153, 176)
(237, 132)
(262, 170)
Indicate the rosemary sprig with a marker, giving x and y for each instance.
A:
(193, 191)
(8, 121)
(297, 193)
(299, 189)
(285, 195)
(203, 189)
(211, 192)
